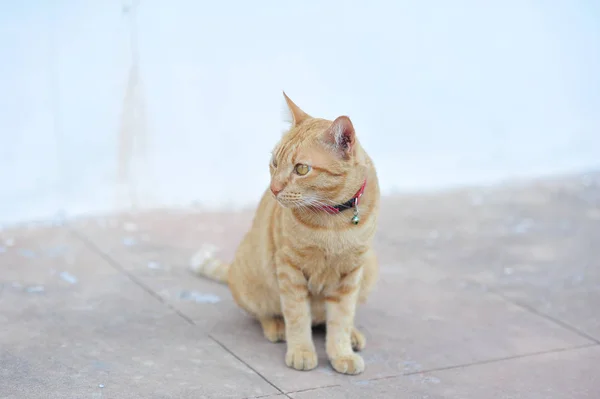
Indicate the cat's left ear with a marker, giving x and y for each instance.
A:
(341, 136)
(298, 116)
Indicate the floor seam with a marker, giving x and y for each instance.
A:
(262, 396)
(503, 359)
(222, 345)
(523, 306)
(111, 261)
(117, 266)
(314, 389)
(458, 366)
(489, 361)
(545, 316)
(92, 246)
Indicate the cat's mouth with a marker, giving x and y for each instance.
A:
(291, 201)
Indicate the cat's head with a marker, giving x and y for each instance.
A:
(317, 162)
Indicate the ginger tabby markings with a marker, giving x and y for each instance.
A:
(301, 265)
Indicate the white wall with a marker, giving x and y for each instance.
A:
(442, 93)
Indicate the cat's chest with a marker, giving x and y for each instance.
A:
(332, 249)
(324, 268)
(337, 243)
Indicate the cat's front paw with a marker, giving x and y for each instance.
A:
(301, 358)
(349, 364)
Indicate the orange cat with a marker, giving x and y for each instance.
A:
(308, 257)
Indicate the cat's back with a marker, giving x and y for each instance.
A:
(258, 245)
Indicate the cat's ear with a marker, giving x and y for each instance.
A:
(341, 136)
(296, 114)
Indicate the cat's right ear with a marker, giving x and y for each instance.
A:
(341, 136)
(297, 115)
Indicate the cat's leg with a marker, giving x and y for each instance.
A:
(319, 319)
(341, 308)
(357, 339)
(369, 278)
(257, 294)
(370, 275)
(273, 328)
(295, 305)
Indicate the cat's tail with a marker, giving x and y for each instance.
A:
(203, 263)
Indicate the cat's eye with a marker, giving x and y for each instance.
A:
(302, 169)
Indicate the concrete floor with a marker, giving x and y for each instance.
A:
(484, 293)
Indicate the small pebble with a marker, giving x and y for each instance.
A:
(100, 385)
(153, 265)
(411, 365)
(27, 253)
(434, 234)
(577, 278)
(431, 379)
(476, 199)
(68, 277)
(587, 180)
(130, 227)
(129, 241)
(56, 251)
(523, 226)
(59, 219)
(198, 297)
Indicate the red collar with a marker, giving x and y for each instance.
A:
(351, 203)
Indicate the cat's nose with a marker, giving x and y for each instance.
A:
(276, 189)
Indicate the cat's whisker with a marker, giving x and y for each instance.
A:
(311, 204)
(301, 206)
(310, 210)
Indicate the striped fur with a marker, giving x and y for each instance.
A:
(203, 263)
(298, 266)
